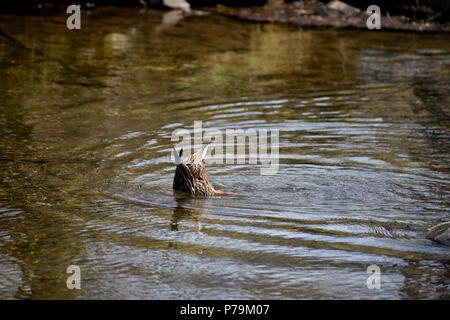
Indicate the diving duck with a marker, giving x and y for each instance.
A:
(440, 233)
(191, 177)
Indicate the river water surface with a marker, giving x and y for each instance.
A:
(86, 119)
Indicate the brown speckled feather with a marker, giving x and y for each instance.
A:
(191, 177)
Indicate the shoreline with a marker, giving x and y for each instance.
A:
(317, 15)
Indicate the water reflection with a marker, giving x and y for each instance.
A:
(192, 215)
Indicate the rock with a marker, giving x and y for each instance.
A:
(178, 4)
(341, 6)
(440, 233)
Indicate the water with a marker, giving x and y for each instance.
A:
(86, 179)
